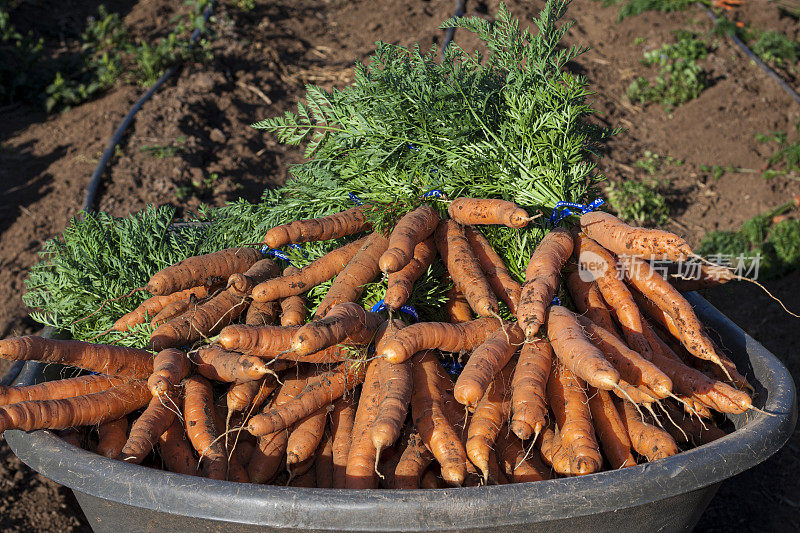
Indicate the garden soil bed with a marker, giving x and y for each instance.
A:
(262, 59)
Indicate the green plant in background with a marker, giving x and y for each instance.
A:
(20, 56)
(776, 48)
(639, 202)
(653, 163)
(163, 151)
(633, 8)
(787, 154)
(203, 188)
(777, 243)
(244, 5)
(680, 78)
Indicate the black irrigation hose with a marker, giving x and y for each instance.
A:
(91, 189)
(448, 37)
(94, 182)
(766, 68)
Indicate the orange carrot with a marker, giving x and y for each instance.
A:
(261, 314)
(541, 279)
(360, 270)
(62, 388)
(345, 321)
(412, 463)
(112, 360)
(86, 410)
(293, 308)
(486, 362)
(614, 235)
(528, 388)
(218, 364)
(570, 406)
(154, 305)
(410, 230)
(176, 309)
(305, 437)
(111, 437)
(198, 405)
(207, 319)
(648, 440)
(598, 262)
(632, 367)
(464, 269)
(401, 282)
(393, 400)
(447, 337)
(205, 269)
(176, 451)
(242, 283)
(504, 286)
(654, 287)
(471, 211)
(262, 341)
(150, 425)
(342, 420)
(325, 228)
(361, 458)
(490, 415)
(170, 367)
(457, 308)
(589, 301)
(319, 391)
(611, 429)
(516, 462)
(250, 394)
(431, 421)
(311, 275)
(575, 351)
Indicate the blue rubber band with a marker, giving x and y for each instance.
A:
(355, 198)
(555, 301)
(452, 367)
(564, 207)
(266, 250)
(435, 193)
(407, 309)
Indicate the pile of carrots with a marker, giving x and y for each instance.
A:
(349, 398)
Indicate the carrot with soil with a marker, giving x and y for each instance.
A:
(170, 367)
(542, 278)
(412, 229)
(86, 410)
(589, 301)
(111, 437)
(430, 419)
(529, 389)
(150, 425)
(55, 390)
(342, 420)
(504, 286)
(205, 269)
(360, 270)
(242, 283)
(311, 275)
(610, 429)
(648, 440)
(393, 400)
(575, 351)
(486, 362)
(111, 360)
(362, 458)
(218, 364)
(176, 451)
(305, 437)
(344, 322)
(401, 283)
(471, 211)
(261, 341)
(293, 308)
(203, 433)
(464, 268)
(444, 336)
(623, 240)
(324, 228)
(153, 306)
(261, 314)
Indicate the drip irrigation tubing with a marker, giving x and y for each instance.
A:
(94, 182)
(461, 7)
(766, 68)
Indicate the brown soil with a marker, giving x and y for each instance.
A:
(262, 59)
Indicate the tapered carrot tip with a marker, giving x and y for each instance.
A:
(454, 476)
(584, 466)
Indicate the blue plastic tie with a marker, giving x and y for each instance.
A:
(452, 367)
(355, 198)
(407, 309)
(555, 301)
(564, 207)
(266, 250)
(435, 193)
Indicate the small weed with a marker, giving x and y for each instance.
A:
(637, 7)
(197, 188)
(640, 41)
(788, 153)
(160, 151)
(244, 5)
(680, 78)
(776, 48)
(778, 244)
(639, 202)
(653, 163)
